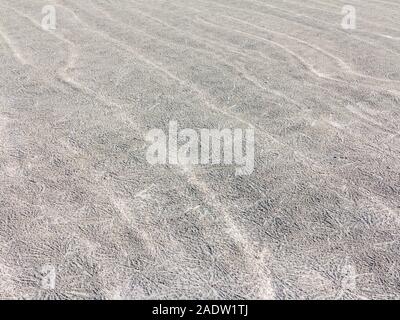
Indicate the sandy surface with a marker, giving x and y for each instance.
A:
(318, 218)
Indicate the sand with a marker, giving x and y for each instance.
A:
(83, 215)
